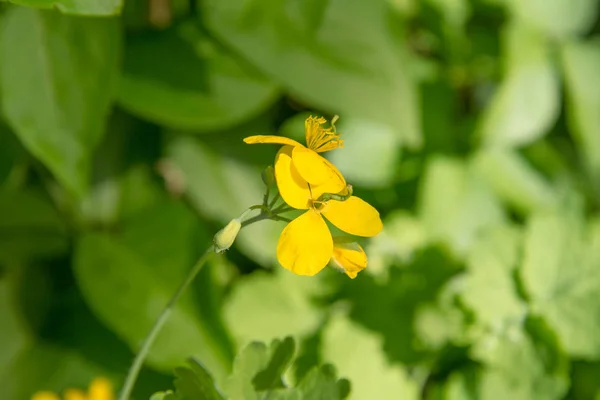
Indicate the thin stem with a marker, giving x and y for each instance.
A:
(254, 219)
(275, 198)
(136, 366)
(282, 208)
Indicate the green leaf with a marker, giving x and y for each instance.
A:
(527, 103)
(195, 383)
(168, 395)
(514, 180)
(77, 7)
(198, 84)
(455, 204)
(115, 282)
(56, 80)
(221, 188)
(561, 276)
(321, 383)
(290, 310)
(341, 56)
(370, 154)
(558, 18)
(282, 353)
(13, 335)
(489, 287)
(358, 354)
(580, 61)
(30, 227)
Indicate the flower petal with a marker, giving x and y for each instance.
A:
(305, 245)
(292, 188)
(317, 171)
(354, 216)
(349, 256)
(74, 394)
(271, 139)
(101, 389)
(45, 396)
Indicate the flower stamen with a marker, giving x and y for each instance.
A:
(321, 139)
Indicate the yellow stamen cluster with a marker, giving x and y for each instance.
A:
(321, 139)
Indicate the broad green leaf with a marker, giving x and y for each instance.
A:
(520, 367)
(56, 81)
(221, 188)
(455, 204)
(30, 227)
(116, 282)
(526, 103)
(580, 61)
(13, 335)
(342, 56)
(290, 310)
(359, 356)
(514, 180)
(195, 383)
(198, 84)
(561, 275)
(370, 154)
(559, 18)
(489, 286)
(77, 7)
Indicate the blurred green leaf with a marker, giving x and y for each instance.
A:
(561, 277)
(370, 154)
(282, 353)
(558, 18)
(195, 383)
(322, 383)
(489, 287)
(77, 7)
(30, 227)
(290, 311)
(514, 180)
(359, 356)
(56, 79)
(168, 395)
(455, 204)
(13, 335)
(197, 85)
(581, 61)
(221, 188)
(526, 103)
(343, 56)
(115, 282)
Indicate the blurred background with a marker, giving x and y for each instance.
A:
(472, 125)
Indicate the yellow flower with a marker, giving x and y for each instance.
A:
(306, 246)
(100, 389)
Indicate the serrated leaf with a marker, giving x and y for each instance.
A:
(195, 383)
(282, 353)
(311, 49)
(250, 361)
(526, 104)
(322, 384)
(199, 85)
(56, 81)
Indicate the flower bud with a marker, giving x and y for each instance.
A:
(226, 236)
(268, 176)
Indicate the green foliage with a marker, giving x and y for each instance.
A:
(472, 126)
(258, 374)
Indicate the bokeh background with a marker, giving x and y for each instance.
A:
(472, 125)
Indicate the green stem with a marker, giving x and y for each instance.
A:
(136, 366)
(138, 362)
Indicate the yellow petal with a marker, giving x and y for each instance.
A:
(354, 216)
(317, 171)
(292, 188)
(349, 257)
(74, 394)
(271, 139)
(101, 389)
(45, 395)
(305, 245)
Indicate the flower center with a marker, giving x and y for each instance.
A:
(321, 139)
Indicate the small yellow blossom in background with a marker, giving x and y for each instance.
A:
(100, 389)
(306, 246)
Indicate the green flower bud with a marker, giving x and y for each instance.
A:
(226, 236)
(268, 176)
